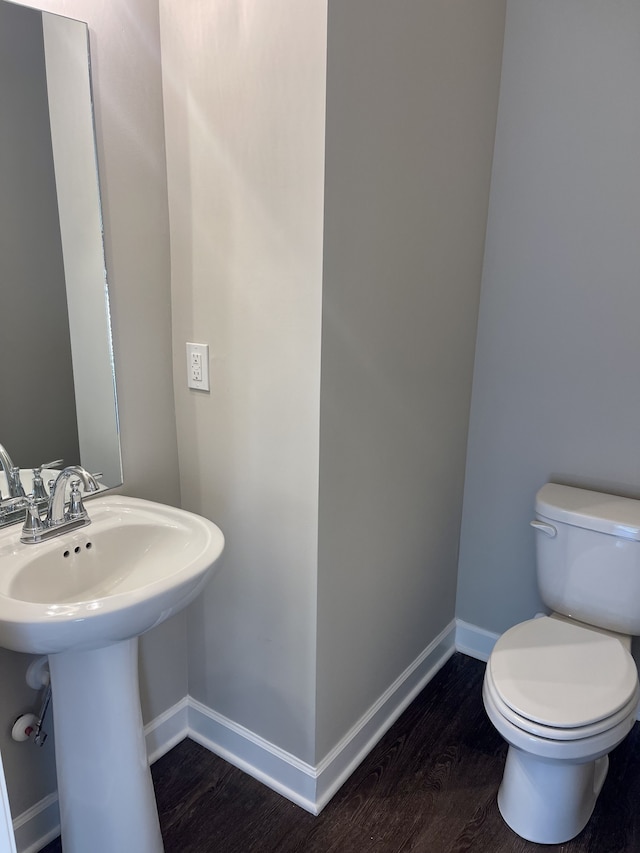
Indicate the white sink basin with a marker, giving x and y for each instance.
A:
(136, 564)
(84, 598)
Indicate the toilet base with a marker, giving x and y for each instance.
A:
(549, 801)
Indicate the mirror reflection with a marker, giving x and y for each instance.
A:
(57, 385)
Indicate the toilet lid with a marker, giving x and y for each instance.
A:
(560, 674)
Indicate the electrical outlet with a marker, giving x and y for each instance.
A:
(198, 366)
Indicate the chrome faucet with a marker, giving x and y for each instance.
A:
(59, 519)
(56, 511)
(12, 474)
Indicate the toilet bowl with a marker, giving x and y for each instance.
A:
(563, 695)
(563, 689)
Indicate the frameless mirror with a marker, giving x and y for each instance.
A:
(57, 383)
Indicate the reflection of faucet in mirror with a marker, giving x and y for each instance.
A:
(37, 489)
(22, 484)
(58, 519)
(12, 474)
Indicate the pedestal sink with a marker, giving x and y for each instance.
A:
(83, 599)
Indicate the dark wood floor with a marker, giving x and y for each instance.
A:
(429, 786)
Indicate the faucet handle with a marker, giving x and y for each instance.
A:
(55, 464)
(76, 507)
(33, 525)
(16, 489)
(39, 491)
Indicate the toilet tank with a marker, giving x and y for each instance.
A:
(588, 556)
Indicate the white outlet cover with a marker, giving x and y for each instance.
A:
(198, 366)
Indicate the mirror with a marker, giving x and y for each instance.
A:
(57, 382)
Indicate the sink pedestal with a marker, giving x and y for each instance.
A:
(106, 795)
(75, 597)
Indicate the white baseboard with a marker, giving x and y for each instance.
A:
(343, 759)
(167, 730)
(277, 769)
(39, 825)
(474, 641)
(307, 786)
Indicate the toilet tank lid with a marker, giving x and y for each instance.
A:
(611, 514)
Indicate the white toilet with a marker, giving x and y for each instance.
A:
(563, 689)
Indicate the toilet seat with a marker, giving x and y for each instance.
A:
(554, 733)
(560, 680)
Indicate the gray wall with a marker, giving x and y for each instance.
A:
(412, 93)
(393, 275)
(555, 394)
(244, 106)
